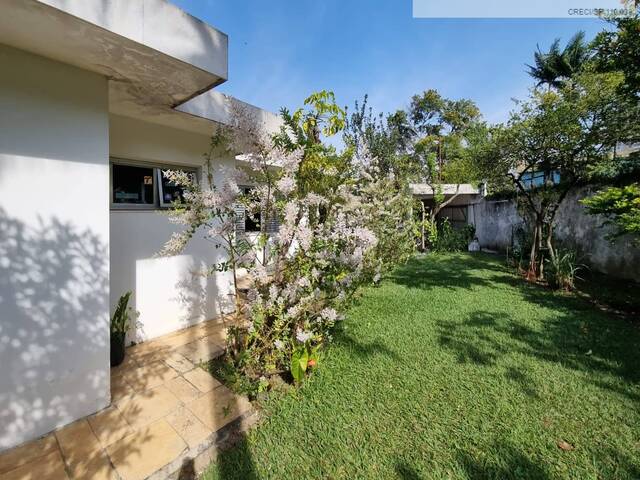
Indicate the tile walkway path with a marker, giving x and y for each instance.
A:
(164, 411)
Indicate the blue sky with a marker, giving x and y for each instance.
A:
(282, 50)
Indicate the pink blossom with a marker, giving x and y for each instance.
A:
(286, 185)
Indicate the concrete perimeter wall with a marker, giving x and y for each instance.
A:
(496, 220)
(54, 245)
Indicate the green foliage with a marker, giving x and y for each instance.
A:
(449, 127)
(518, 253)
(121, 316)
(434, 115)
(320, 115)
(445, 238)
(224, 369)
(325, 114)
(621, 206)
(432, 232)
(562, 270)
(556, 66)
(303, 356)
(387, 139)
(619, 50)
(322, 168)
(568, 131)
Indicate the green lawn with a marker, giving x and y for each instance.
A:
(454, 368)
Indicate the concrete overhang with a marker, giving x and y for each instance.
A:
(422, 190)
(217, 107)
(160, 61)
(154, 53)
(199, 114)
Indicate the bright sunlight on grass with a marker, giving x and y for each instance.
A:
(454, 368)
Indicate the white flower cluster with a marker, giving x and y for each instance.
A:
(324, 248)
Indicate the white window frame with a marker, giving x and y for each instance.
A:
(158, 203)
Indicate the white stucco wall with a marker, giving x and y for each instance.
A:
(54, 245)
(169, 293)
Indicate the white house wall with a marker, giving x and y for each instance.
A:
(54, 245)
(169, 293)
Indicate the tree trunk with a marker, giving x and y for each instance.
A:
(549, 240)
(540, 254)
(534, 252)
(423, 239)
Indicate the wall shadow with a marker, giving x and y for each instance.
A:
(54, 328)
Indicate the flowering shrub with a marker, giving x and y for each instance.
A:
(341, 225)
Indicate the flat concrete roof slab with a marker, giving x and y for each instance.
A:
(161, 57)
(422, 189)
(159, 25)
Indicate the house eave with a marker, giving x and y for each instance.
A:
(425, 191)
(155, 55)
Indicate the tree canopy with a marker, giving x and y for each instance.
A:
(621, 207)
(556, 66)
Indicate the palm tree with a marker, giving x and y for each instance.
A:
(555, 67)
(546, 70)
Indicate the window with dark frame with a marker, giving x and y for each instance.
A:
(133, 185)
(142, 186)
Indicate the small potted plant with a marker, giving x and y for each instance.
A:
(119, 327)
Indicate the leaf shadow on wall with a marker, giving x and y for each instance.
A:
(54, 325)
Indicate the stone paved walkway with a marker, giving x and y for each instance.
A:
(165, 412)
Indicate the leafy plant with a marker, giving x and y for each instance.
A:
(343, 222)
(303, 357)
(558, 65)
(449, 239)
(621, 206)
(562, 270)
(121, 316)
(518, 254)
(566, 132)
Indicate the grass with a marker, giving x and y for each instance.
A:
(456, 369)
(621, 295)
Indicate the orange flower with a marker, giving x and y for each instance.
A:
(311, 363)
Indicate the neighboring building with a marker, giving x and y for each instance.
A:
(96, 98)
(539, 178)
(624, 150)
(460, 197)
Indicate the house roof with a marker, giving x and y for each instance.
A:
(425, 191)
(156, 56)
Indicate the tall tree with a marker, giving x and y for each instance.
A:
(619, 50)
(554, 67)
(322, 168)
(554, 133)
(386, 139)
(444, 130)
